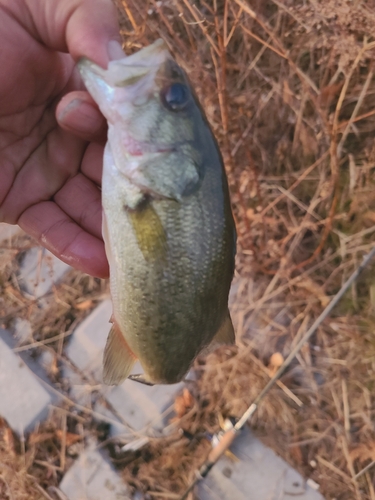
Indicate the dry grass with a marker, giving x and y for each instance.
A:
(289, 90)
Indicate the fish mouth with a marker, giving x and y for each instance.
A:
(140, 148)
(129, 70)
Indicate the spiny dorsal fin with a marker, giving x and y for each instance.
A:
(118, 358)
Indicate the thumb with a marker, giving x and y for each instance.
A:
(81, 27)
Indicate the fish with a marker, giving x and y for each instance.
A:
(168, 226)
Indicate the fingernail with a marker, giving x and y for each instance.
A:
(114, 50)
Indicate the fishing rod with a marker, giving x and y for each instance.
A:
(229, 436)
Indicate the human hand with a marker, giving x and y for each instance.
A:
(51, 149)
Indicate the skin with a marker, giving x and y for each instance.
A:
(52, 134)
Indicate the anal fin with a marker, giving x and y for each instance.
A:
(225, 334)
(118, 358)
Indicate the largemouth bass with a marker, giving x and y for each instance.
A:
(167, 226)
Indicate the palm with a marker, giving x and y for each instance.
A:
(48, 176)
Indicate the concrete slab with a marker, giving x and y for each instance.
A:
(87, 344)
(138, 404)
(7, 231)
(23, 400)
(118, 429)
(39, 271)
(92, 478)
(259, 474)
(142, 406)
(22, 329)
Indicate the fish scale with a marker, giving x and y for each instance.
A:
(168, 227)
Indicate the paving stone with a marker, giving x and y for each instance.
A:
(39, 271)
(22, 329)
(137, 404)
(233, 292)
(140, 405)
(7, 231)
(23, 400)
(259, 474)
(118, 429)
(92, 477)
(87, 344)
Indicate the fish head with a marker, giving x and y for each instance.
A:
(126, 83)
(148, 103)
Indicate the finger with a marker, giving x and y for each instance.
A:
(56, 231)
(80, 199)
(92, 162)
(45, 171)
(81, 27)
(79, 114)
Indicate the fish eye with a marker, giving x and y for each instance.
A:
(176, 96)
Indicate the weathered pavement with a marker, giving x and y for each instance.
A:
(258, 474)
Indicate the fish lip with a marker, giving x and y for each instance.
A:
(85, 65)
(135, 148)
(157, 52)
(135, 67)
(139, 154)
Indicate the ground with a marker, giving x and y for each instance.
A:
(288, 88)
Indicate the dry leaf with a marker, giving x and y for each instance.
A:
(36, 437)
(308, 141)
(70, 438)
(328, 93)
(363, 452)
(296, 454)
(9, 440)
(86, 304)
(183, 402)
(188, 397)
(179, 406)
(288, 94)
(276, 360)
(7, 256)
(240, 99)
(370, 216)
(309, 285)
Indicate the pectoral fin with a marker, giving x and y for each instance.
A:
(118, 358)
(225, 334)
(149, 231)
